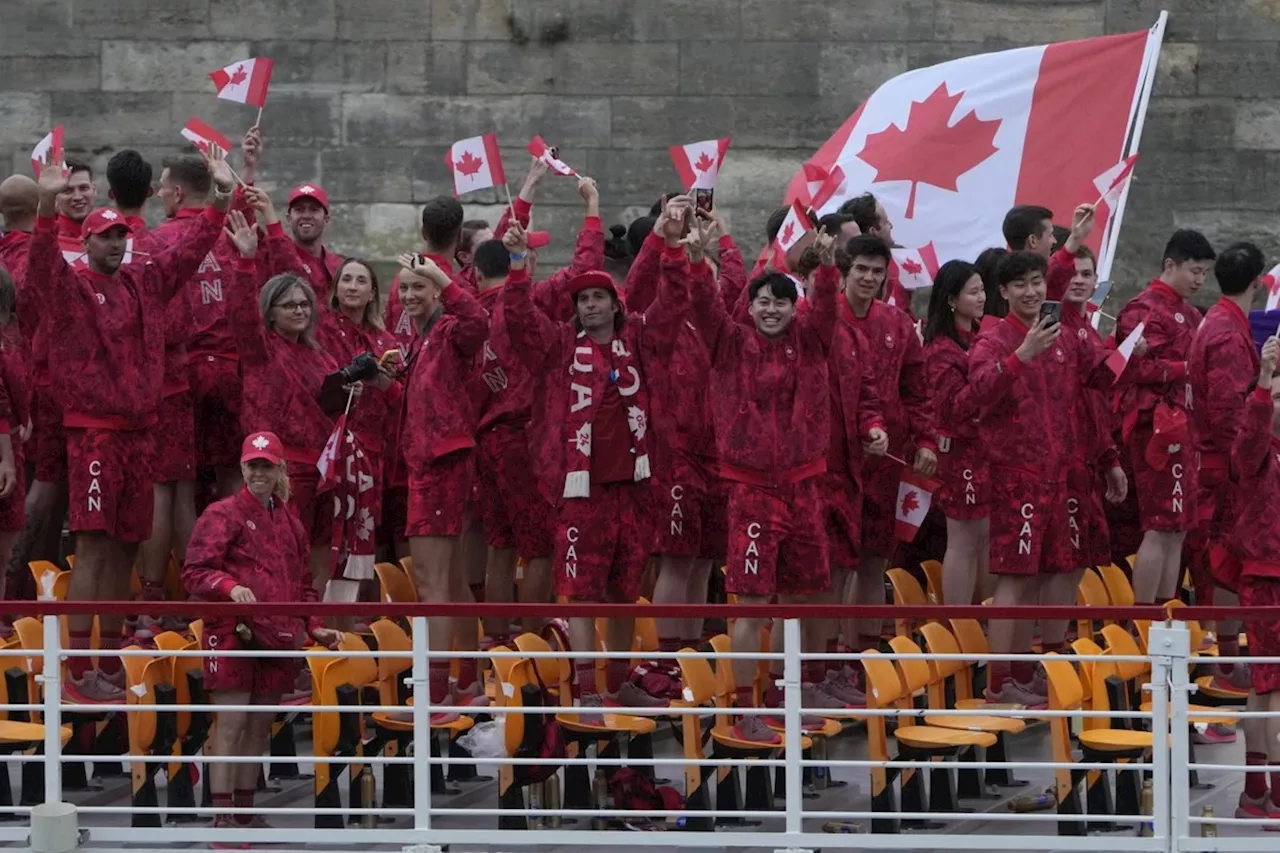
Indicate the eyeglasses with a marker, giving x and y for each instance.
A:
(293, 306)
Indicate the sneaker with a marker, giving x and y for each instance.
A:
(1260, 809)
(808, 722)
(1012, 693)
(225, 822)
(1213, 734)
(118, 678)
(633, 696)
(1237, 681)
(841, 687)
(473, 696)
(752, 728)
(815, 697)
(591, 700)
(91, 689)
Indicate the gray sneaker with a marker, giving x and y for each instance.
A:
(813, 697)
(92, 688)
(752, 728)
(839, 686)
(591, 700)
(631, 696)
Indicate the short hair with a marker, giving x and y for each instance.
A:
(1086, 252)
(947, 284)
(470, 229)
(491, 259)
(1188, 245)
(780, 285)
(129, 177)
(985, 264)
(441, 221)
(1023, 222)
(638, 231)
(868, 246)
(74, 165)
(832, 223)
(372, 311)
(862, 209)
(275, 289)
(1238, 266)
(191, 171)
(1017, 264)
(773, 224)
(1060, 235)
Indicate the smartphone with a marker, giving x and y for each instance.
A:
(1052, 310)
(704, 199)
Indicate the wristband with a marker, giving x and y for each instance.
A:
(517, 256)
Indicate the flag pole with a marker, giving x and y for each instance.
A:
(258, 120)
(510, 204)
(1113, 226)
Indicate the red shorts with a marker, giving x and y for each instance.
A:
(880, 480)
(215, 386)
(109, 482)
(175, 439)
(685, 509)
(1122, 518)
(440, 495)
(1086, 517)
(48, 441)
(1166, 496)
(511, 505)
(1263, 634)
(1029, 525)
(777, 540)
(964, 476)
(1213, 514)
(395, 508)
(261, 677)
(315, 513)
(13, 509)
(843, 504)
(602, 543)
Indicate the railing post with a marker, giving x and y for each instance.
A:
(791, 669)
(1170, 648)
(421, 726)
(51, 678)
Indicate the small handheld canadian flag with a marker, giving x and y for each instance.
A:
(915, 496)
(539, 149)
(1112, 182)
(698, 163)
(476, 164)
(916, 267)
(795, 226)
(1117, 360)
(49, 148)
(823, 185)
(1272, 282)
(244, 82)
(203, 137)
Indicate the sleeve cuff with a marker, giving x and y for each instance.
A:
(522, 209)
(654, 241)
(314, 623)
(726, 242)
(1178, 371)
(46, 223)
(673, 253)
(592, 223)
(1263, 394)
(927, 444)
(1063, 257)
(877, 425)
(275, 229)
(520, 276)
(1013, 364)
(225, 587)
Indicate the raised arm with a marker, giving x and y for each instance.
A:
(242, 303)
(523, 202)
(821, 317)
(532, 332)
(175, 266)
(465, 324)
(588, 252)
(733, 270)
(1252, 446)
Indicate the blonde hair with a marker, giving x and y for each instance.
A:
(281, 491)
(372, 311)
(275, 289)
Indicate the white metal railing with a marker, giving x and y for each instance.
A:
(787, 824)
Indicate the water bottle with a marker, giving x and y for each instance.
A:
(600, 795)
(368, 788)
(1208, 830)
(1148, 806)
(551, 801)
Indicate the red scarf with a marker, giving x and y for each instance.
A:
(347, 472)
(589, 374)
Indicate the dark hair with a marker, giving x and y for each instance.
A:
(190, 171)
(491, 259)
(617, 252)
(1187, 245)
(779, 284)
(862, 209)
(947, 284)
(985, 266)
(638, 231)
(773, 224)
(74, 165)
(1086, 252)
(130, 178)
(372, 311)
(469, 230)
(619, 318)
(1239, 266)
(1017, 264)
(832, 223)
(441, 221)
(1023, 222)
(1060, 235)
(868, 246)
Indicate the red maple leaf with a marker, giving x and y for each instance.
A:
(787, 233)
(911, 267)
(910, 503)
(469, 164)
(1272, 283)
(238, 76)
(704, 163)
(931, 150)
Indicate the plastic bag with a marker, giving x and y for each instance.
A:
(486, 740)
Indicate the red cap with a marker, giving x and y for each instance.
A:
(594, 278)
(310, 191)
(538, 239)
(264, 446)
(104, 219)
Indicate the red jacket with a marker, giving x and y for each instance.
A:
(1255, 458)
(15, 384)
(1095, 420)
(14, 246)
(1221, 366)
(282, 380)
(855, 402)
(239, 542)
(440, 416)
(1028, 411)
(1160, 374)
(957, 407)
(771, 398)
(177, 313)
(502, 386)
(318, 272)
(373, 412)
(106, 335)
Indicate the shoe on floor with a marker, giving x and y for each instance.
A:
(1213, 734)
(1012, 693)
(591, 700)
(752, 728)
(472, 696)
(814, 697)
(1260, 809)
(92, 688)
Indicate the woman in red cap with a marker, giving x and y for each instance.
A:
(247, 548)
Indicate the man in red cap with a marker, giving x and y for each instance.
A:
(107, 358)
(307, 216)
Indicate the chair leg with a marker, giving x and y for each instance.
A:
(577, 780)
(914, 796)
(6, 792)
(284, 745)
(942, 790)
(968, 779)
(438, 783)
(699, 799)
(145, 796)
(1128, 791)
(884, 802)
(1001, 777)
(397, 779)
(510, 796)
(1098, 800)
(641, 747)
(759, 795)
(1069, 804)
(729, 798)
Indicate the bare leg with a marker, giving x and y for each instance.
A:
(699, 579)
(154, 554)
(226, 740)
(673, 588)
(961, 561)
(1171, 576)
(499, 585)
(746, 638)
(1149, 566)
(1057, 590)
(870, 590)
(432, 566)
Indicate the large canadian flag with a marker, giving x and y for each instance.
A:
(950, 148)
(476, 164)
(244, 82)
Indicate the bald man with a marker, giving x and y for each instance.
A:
(19, 197)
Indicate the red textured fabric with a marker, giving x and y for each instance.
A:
(1263, 634)
(777, 540)
(1062, 268)
(1167, 494)
(1086, 517)
(109, 482)
(318, 271)
(963, 475)
(15, 410)
(106, 344)
(515, 514)
(174, 437)
(1160, 374)
(602, 544)
(48, 441)
(1030, 526)
(373, 411)
(843, 523)
(680, 499)
(439, 494)
(216, 387)
(1254, 534)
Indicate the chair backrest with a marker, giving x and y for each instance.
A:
(30, 633)
(906, 589)
(1085, 646)
(1092, 592)
(395, 584)
(725, 685)
(915, 672)
(933, 581)
(1121, 642)
(971, 638)
(940, 641)
(1119, 589)
(359, 671)
(171, 641)
(550, 670)
(699, 680)
(197, 631)
(883, 685)
(391, 638)
(1065, 692)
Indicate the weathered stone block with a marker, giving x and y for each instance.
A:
(282, 169)
(752, 177)
(93, 119)
(1019, 23)
(387, 119)
(1194, 20)
(577, 121)
(227, 117)
(1178, 71)
(26, 118)
(617, 69)
(852, 72)
(633, 177)
(581, 20)
(391, 20)
(309, 66)
(1257, 125)
(648, 122)
(159, 19)
(1175, 124)
(675, 20)
(1208, 178)
(724, 68)
(502, 68)
(470, 20)
(279, 19)
(360, 174)
(165, 66)
(803, 123)
(881, 20)
(295, 119)
(434, 68)
(1249, 20)
(376, 232)
(1239, 70)
(51, 73)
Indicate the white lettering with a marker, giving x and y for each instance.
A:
(619, 348)
(967, 474)
(571, 534)
(210, 291)
(630, 390)
(753, 567)
(752, 549)
(95, 468)
(1028, 511)
(581, 396)
(753, 530)
(677, 528)
(1176, 470)
(571, 554)
(209, 264)
(495, 379)
(677, 492)
(1177, 504)
(1024, 547)
(488, 352)
(578, 364)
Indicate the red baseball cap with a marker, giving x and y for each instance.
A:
(588, 280)
(538, 239)
(262, 445)
(310, 191)
(104, 219)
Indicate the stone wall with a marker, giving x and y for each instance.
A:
(368, 94)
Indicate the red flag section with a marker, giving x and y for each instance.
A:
(476, 164)
(244, 82)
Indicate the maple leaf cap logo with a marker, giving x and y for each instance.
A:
(261, 442)
(110, 215)
(468, 164)
(910, 502)
(238, 76)
(307, 189)
(705, 163)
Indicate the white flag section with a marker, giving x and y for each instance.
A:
(476, 164)
(50, 145)
(1117, 360)
(698, 163)
(1272, 282)
(949, 149)
(916, 267)
(1112, 183)
(244, 82)
(915, 496)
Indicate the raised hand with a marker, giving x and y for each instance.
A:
(260, 200)
(516, 239)
(1038, 339)
(223, 178)
(242, 235)
(825, 245)
(54, 177)
(1269, 351)
(251, 147)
